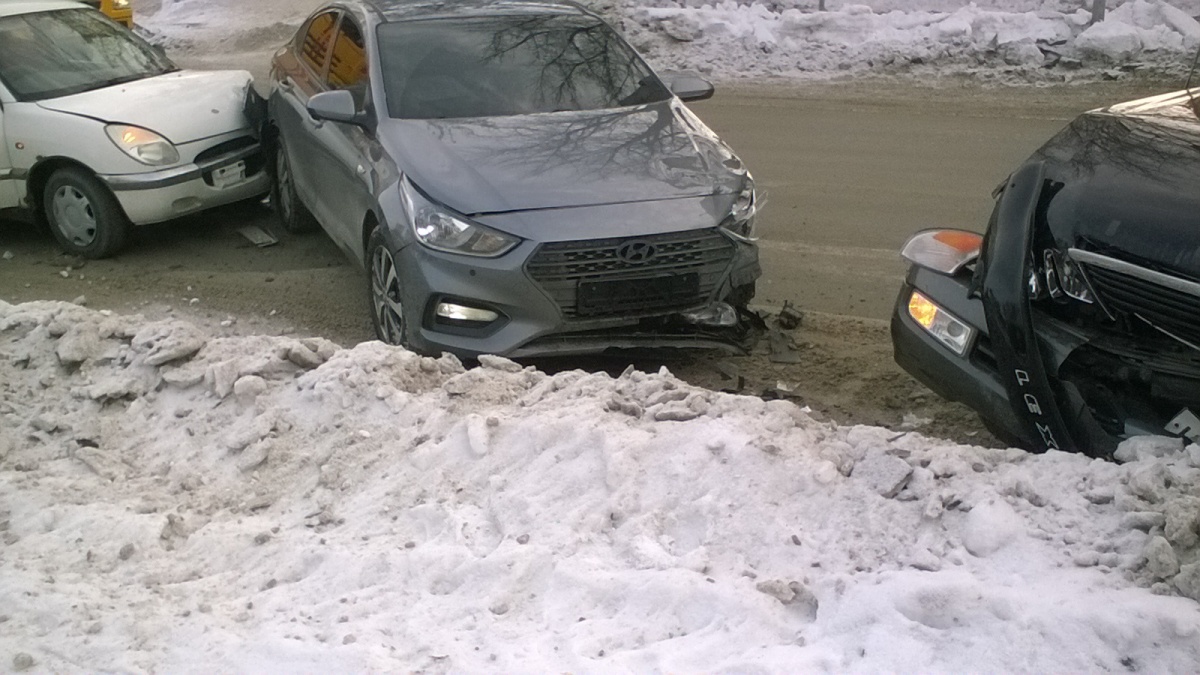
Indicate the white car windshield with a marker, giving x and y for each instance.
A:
(509, 65)
(58, 53)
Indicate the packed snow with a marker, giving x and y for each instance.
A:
(1041, 41)
(174, 501)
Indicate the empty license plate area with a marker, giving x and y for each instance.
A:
(227, 176)
(620, 296)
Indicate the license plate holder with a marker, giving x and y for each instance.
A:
(619, 296)
(228, 176)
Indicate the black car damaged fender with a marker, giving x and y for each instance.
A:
(1074, 322)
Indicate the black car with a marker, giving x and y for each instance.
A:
(1074, 322)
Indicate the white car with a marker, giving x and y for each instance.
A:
(100, 131)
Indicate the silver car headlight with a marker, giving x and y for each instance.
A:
(439, 228)
(740, 221)
(143, 145)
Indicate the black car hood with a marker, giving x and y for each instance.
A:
(1125, 182)
(567, 159)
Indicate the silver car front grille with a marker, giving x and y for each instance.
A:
(634, 276)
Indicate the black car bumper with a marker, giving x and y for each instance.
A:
(970, 379)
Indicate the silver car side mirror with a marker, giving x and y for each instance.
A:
(688, 86)
(336, 106)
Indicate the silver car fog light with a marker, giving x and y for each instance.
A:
(456, 312)
(947, 328)
(721, 314)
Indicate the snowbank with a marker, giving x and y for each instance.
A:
(173, 501)
(728, 39)
(1014, 40)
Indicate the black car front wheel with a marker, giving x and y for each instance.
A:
(293, 215)
(83, 214)
(386, 291)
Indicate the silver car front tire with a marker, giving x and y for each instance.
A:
(293, 215)
(386, 292)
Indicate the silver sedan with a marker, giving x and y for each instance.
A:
(513, 177)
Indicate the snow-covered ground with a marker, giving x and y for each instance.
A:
(174, 501)
(996, 40)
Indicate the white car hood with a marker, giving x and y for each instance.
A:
(183, 106)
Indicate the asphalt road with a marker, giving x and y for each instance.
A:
(848, 172)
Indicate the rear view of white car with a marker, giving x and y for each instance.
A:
(100, 131)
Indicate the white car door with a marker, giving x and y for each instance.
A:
(8, 181)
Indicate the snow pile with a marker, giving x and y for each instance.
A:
(1030, 40)
(173, 501)
(729, 39)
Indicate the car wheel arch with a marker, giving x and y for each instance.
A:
(372, 221)
(40, 174)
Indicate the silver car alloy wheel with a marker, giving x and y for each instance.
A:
(74, 215)
(385, 296)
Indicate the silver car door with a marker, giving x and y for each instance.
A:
(344, 179)
(300, 75)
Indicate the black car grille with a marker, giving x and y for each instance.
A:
(1167, 308)
(592, 279)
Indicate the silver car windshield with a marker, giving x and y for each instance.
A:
(509, 65)
(58, 53)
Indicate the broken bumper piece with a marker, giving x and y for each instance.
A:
(681, 331)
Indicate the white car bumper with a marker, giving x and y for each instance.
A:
(162, 195)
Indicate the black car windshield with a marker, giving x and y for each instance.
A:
(509, 65)
(62, 52)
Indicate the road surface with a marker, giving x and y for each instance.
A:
(848, 172)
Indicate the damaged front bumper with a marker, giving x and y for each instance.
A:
(224, 174)
(1039, 376)
(573, 298)
(678, 331)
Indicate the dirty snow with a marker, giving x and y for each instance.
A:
(179, 502)
(1041, 41)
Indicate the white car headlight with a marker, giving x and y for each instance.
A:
(120, 4)
(438, 228)
(740, 221)
(143, 145)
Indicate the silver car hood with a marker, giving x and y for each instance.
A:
(559, 160)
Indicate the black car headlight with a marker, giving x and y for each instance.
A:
(740, 221)
(440, 228)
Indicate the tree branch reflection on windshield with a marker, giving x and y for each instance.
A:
(516, 65)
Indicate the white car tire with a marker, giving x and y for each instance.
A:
(83, 214)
